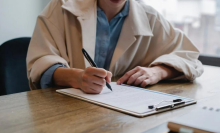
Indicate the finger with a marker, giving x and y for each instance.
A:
(99, 72)
(90, 91)
(133, 78)
(140, 79)
(109, 77)
(126, 76)
(86, 88)
(94, 89)
(145, 83)
(97, 80)
(97, 88)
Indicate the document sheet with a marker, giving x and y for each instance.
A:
(125, 97)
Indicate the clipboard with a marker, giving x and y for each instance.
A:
(119, 99)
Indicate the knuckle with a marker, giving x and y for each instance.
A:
(103, 72)
(143, 85)
(145, 82)
(138, 67)
(88, 69)
(127, 74)
(85, 77)
(110, 74)
(143, 71)
(132, 77)
(138, 81)
(103, 82)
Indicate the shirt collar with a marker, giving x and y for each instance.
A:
(123, 13)
(137, 17)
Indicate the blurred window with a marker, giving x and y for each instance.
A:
(198, 19)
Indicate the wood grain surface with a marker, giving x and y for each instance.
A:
(46, 111)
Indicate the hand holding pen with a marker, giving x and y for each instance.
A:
(94, 79)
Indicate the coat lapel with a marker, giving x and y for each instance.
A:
(86, 13)
(126, 39)
(135, 24)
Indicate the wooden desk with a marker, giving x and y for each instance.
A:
(47, 111)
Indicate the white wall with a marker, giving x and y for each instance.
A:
(18, 17)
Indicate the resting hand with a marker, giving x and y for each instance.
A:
(147, 76)
(92, 80)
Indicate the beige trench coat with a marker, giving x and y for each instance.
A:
(147, 39)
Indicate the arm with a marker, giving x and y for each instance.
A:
(43, 51)
(48, 47)
(73, 78)
(46, 80)
(92, 80)
(144, 76)
(175, 57)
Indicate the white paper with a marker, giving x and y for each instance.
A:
(130, 98)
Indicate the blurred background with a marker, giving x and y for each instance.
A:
(199, 19)
(18, 17)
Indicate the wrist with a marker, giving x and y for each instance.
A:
(68, 77)
(165, 72)
(75, 79)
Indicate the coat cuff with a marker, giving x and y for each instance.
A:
(40, 66)
(46, 80)
(190, 68)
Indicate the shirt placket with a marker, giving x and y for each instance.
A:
(103, 40)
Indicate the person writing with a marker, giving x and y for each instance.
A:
(125, 38)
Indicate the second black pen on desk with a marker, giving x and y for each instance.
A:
(93, 64)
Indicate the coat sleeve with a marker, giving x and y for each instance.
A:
(47, 47)
(172, 48)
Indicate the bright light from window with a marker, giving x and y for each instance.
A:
(199, 19)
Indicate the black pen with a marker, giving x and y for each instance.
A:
(93, 64)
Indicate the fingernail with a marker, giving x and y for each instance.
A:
(118, 82)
